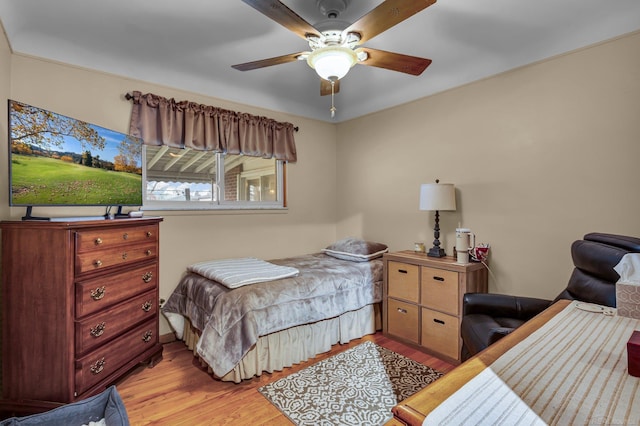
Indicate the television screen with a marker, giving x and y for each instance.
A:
(57, 160)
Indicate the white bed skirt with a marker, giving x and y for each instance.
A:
(276, 351)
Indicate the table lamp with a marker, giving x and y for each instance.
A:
(436, 197)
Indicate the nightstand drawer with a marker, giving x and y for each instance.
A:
(440, 290)
(402, 320)
(440, 332)
(403, 281)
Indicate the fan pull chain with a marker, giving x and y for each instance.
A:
(333, 108)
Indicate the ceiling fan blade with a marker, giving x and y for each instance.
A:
(395, 61)
(286, 17)
(267, 62)
(385, 16)
(325, 87)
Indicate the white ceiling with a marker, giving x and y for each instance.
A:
(191, 45)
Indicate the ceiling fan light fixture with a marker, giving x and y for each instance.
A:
(332, 62)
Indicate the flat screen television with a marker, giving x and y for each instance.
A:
(55, 160)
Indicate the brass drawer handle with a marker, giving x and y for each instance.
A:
(125, 236)
(98, 366)
(146, 337)
(98, 263)
(98, 293)
(147, 277)
(149, 234)
(147, 306)
(98, 241)
(148, 252)
(438, 278)
(124, 255)
(402, 311)
(98, 330)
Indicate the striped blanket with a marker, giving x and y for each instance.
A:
(234, 273)
(571, 371)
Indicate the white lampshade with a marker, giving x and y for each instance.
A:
(437, 196)
(332, 62)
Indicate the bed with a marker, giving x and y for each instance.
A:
(242, 330)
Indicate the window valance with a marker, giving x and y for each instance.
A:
(180, 124)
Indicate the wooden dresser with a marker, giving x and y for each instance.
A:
(80, 307)
(422, 303)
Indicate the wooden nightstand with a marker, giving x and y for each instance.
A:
(422, 303)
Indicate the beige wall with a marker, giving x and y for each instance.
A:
(540, 156)
(187, 237)
(5, 85)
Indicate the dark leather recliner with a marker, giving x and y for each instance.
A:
(489, 317)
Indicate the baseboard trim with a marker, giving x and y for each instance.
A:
(167, 338)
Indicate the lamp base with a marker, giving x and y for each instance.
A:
(436, 252)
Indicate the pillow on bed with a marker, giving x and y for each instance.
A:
(355, 250)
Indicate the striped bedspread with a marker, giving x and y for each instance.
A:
(571, 371)
(234, 273)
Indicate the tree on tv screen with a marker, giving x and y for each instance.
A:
(46, 129)
(37, 131)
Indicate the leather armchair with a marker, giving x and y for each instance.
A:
(486, 317)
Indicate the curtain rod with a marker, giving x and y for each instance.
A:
(128, 96)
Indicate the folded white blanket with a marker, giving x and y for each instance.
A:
(235, 273)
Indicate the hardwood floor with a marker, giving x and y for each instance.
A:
(177, 391)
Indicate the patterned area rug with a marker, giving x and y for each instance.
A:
(356, 387)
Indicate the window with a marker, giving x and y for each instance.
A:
(188, 179)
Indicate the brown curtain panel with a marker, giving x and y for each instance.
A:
(180, 124)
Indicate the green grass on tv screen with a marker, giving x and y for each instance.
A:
(47, 181)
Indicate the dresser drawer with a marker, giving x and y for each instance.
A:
(101, 239)
(99, 293)
(402, 320)
(440, 290)
(99, 364)
(118, 256)
(440, 333)
(100, 328)
(402, 281)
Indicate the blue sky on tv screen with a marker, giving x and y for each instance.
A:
(112, 141)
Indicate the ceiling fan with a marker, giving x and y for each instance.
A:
(336, 45)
